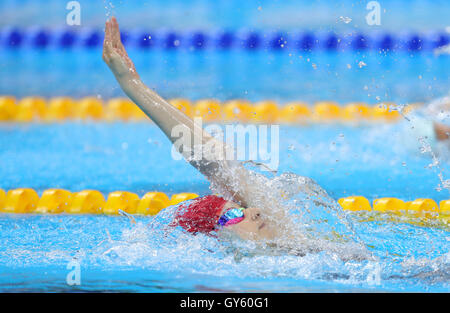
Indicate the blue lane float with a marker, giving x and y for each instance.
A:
(41, 38)
(11, 37)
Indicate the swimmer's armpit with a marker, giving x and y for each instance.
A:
(441, 131)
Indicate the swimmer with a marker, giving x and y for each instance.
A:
(236, 212)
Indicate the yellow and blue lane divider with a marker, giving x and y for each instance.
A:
(59, 109)
(57, 201)
(248, 40)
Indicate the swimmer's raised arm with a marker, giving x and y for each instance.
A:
(167, 117)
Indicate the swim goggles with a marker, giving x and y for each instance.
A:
(231, 216)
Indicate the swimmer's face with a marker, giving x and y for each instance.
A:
(254, 225)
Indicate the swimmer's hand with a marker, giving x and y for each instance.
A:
(114, 53)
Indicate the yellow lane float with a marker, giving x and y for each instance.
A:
(264, 112)
(236, 110)
(2, 198)
(8, 108)
(60, 108)
(444, 211)
(423, 208)
(56, 201)
(355, 112)
(21, 200)
(444, 207)
(355, 203)
(184, 105)
(389, 205)
(89, 108)
(180, 197)
(327, 111)
(31, 108)
(295, 112)
(385, 112)
(121, 200)
(420, 208)
(123, 109)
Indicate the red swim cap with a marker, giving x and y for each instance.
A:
(201, 215)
